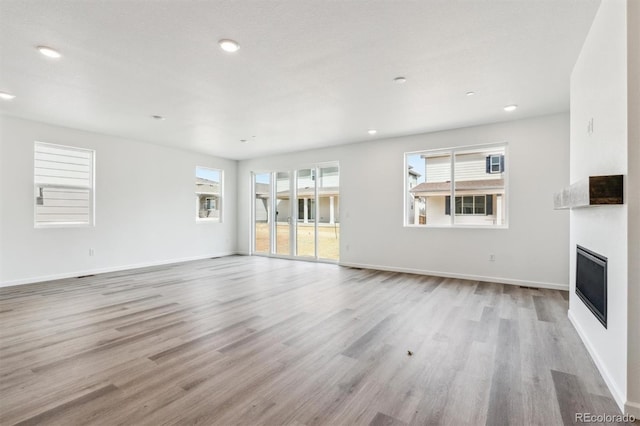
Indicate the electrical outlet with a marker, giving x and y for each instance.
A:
(492, 258)
(91, 252)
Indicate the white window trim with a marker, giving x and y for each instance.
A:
(491, 164)
(92, 191)
(453, 150)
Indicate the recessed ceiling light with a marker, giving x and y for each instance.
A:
(400, 80)
(157, 117)
(228, 45)
(372, 131)
(49, 52)
(243, 140)
(510, 108)
(470, 93)
(6, 96)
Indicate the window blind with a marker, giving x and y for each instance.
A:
(63, 178)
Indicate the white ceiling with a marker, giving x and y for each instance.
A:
(309, 73)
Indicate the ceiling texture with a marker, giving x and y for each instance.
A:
(309, 73)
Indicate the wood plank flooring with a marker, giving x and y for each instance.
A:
(252, 340)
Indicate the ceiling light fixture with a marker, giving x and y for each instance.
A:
(6, 96)
(510, 108)
(470, 93)
(49, 52)
(400, 80)
(157, 117)
(372, 131)
(243, 140)
(228, 45)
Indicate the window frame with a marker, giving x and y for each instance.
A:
(473, 205)
(452, 151)
(492, 163)
(91, 188)
(220, 196)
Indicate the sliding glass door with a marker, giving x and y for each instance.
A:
(305, 222)
(283, 214)
(262, 213)
(328, 225)
(306, 202)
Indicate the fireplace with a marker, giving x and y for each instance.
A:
(591, 282)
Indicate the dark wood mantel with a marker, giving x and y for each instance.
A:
(592, 191)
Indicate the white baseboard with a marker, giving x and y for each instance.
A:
(633, 409)
(536, 284)
(43, 278)
(618, 396)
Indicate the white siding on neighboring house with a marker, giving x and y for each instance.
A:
(306, 178)
(262, 201)
(436, 211)
(329, 178)
(468, 166)
(438, 169)
(63, 178)
(473, 166)
(283, 210)
(477, 174)
(283, 194)
(325, 209)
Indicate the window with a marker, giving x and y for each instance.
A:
(63, 185)
(208, 194)
(472, 204)
(495, 163)
(470, 181)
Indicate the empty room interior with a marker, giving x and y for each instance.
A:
(297, 212)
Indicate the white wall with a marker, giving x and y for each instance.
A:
(531, 252)
(633, 203)
(599, 92)
(145, 207)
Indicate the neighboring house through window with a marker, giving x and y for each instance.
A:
(415, 207)
(208, 194)
(63, 185)
(470, 181)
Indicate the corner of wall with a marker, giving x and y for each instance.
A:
(618, 394)
(603, 94)
(633, 201)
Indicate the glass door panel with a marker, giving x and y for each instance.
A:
(328, 212)
(306, 203)
(283, 214)
(262, 213)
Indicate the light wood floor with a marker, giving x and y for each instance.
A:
(252, 340)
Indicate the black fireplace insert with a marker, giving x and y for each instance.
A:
(591, 282)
